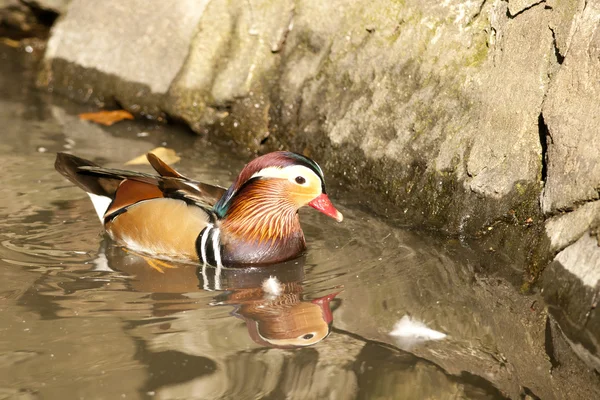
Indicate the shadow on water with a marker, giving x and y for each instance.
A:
(83, 318)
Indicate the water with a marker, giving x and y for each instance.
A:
(82, 318)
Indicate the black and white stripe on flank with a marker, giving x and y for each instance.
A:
(209, 247)
(209, 250)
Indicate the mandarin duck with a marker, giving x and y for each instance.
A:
(169, 216)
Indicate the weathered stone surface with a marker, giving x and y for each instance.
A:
(571, 282)
(565, 229)
(506, 146)
(582, 259)
(516, 7)
(573, 139)
(135, 42)
(454, 98)
(229, 66)
(572, 289)
(564, 22)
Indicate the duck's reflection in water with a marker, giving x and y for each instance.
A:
(282, 318)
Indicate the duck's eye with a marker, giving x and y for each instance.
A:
(308, 336)
(300, 180)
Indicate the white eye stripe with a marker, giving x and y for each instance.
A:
(269, 172)
(289, 173)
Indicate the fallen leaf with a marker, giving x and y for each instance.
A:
(10, 42)
(167, 155)
(106, 117)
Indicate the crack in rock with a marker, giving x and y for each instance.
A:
(520, 8)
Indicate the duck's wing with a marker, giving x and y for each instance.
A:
(198, 193)
(182, 187)
(117, 189)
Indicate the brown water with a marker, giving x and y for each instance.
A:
(81, 318)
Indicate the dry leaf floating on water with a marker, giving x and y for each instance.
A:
(10, 42)
(167, 155)
(106, 118)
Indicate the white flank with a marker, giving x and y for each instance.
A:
(101, 204)
(413, 331)
(272, 286)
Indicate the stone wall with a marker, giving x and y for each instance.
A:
(479, 118)
(436, 107)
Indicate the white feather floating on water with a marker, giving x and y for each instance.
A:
(272, 286)
(410, 331)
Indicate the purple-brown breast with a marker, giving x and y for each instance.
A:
(262, 225)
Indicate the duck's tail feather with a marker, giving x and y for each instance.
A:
(73, 168)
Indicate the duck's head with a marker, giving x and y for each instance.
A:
(280, 181)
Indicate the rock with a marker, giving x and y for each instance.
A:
(516, 7)
(227, 71)
(582, 259)
(571, 282)
(572, 289)
(506, 147)
(563, 23)
(450, 109)
(430, 124)
(573, 168)
(130, 52)
(564, 229)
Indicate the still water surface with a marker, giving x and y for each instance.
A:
(82, 318)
